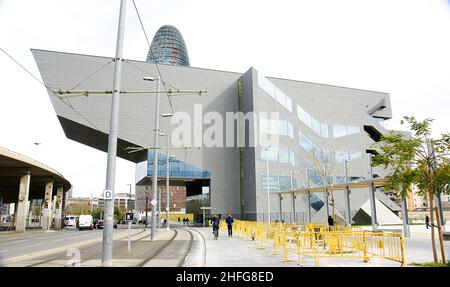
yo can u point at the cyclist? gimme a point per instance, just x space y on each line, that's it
215 223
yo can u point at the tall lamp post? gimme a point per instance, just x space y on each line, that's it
293 197
36 150
267 181
167 174
155 160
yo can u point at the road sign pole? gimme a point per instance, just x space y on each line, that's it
129 235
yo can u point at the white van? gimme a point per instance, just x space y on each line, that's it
70 221
85 222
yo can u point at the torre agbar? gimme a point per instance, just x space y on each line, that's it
315 125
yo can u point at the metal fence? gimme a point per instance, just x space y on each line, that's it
321 241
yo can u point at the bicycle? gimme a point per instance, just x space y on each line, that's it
216 232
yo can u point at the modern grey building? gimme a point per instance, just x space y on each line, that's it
316 125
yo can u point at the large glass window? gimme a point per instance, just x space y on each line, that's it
289 104
283 155
290 130
273 183
352 130
304 116
273 155
281 97
324 130
315 126
276 127
305 142
274 92
339 131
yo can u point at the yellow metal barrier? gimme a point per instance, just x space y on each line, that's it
316 241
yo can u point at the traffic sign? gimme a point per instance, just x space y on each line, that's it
108 194
129 216
153 202
206 207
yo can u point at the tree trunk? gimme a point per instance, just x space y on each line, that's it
441 241
433 243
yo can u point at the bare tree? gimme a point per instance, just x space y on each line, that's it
324 162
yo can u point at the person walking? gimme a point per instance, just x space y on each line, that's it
215 224
330 221
427 221
229 220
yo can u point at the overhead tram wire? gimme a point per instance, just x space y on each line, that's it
52 91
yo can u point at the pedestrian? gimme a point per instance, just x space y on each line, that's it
215 224
229 220
178 220
427 221
330 220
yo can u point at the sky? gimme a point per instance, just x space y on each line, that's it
399 47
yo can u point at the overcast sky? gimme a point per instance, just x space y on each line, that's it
398 47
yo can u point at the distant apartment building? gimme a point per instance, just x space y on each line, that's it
121 200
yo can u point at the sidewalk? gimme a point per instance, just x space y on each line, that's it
233 252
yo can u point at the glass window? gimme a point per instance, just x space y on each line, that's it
289 104
264 126
316 151
324 130
326 156
291 157
266 85
352 130
304 116
315 126
305 142
281 97
273 155
283 127
283 155
290 130
339 131
273 183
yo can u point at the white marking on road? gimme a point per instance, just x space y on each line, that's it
32 245
17 241
61 239
3 250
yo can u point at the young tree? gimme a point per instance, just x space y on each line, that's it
324 162
418 160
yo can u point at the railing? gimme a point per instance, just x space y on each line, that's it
321 241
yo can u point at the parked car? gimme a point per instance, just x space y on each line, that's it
85 222
70 220
99 224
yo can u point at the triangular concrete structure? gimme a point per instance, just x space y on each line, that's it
384 215
321 216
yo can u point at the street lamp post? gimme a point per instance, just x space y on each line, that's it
347 195
293 197
268 189
155 160
373 210
36 150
